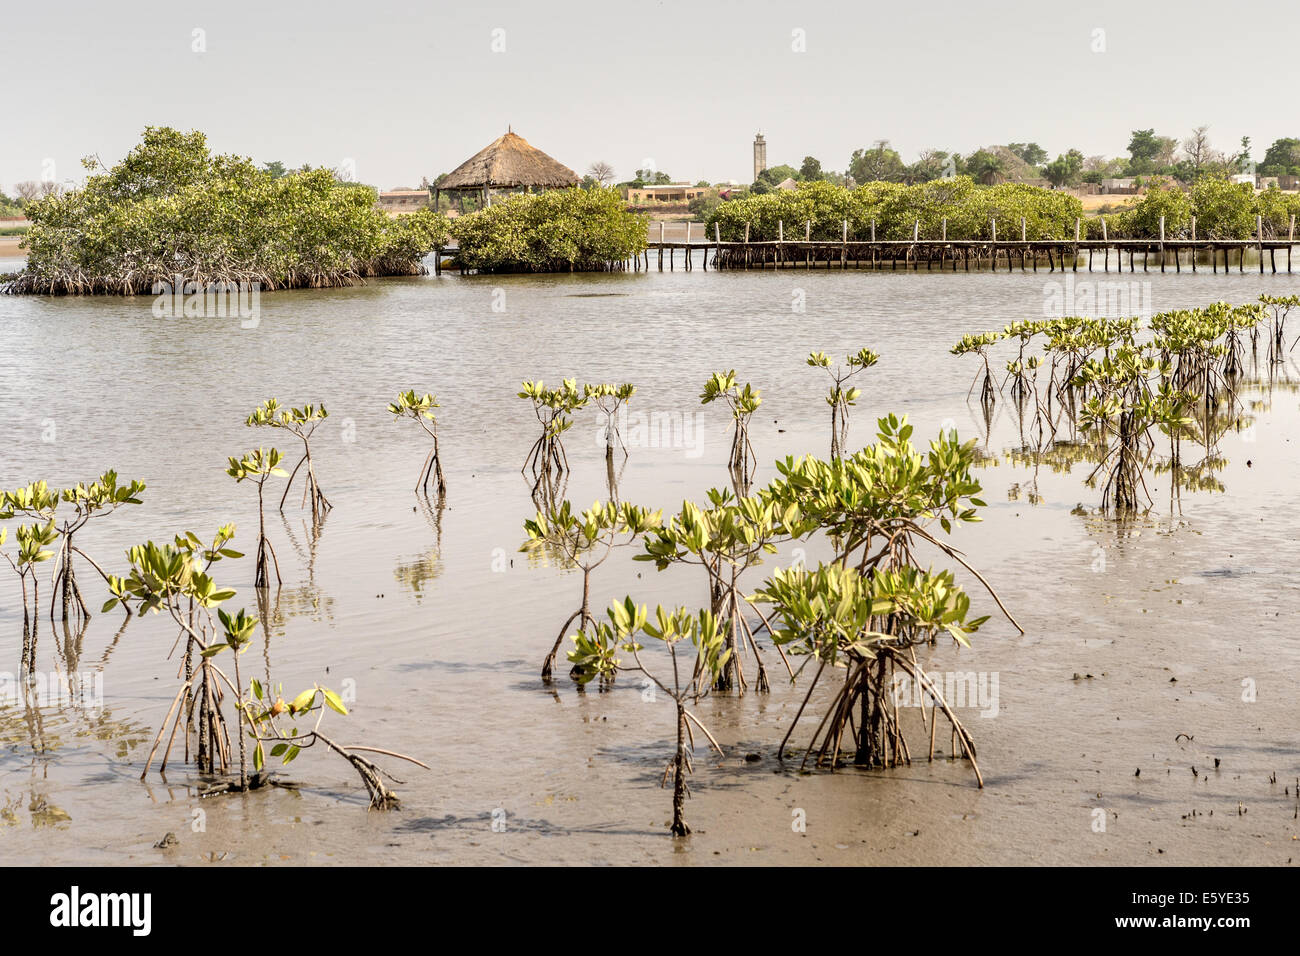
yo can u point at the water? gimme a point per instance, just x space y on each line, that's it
442 648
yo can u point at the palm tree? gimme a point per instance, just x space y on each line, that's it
986 167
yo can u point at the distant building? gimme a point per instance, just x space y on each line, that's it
1288 183
1124 185
1242 179
1267 182
403 200
787 184
760 155
673 192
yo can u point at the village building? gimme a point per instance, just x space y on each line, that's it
670 193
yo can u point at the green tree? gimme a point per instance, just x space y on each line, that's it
1031 153
877 164
811 169
1143 148
1065 170
986 167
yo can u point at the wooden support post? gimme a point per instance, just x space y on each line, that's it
1074 253
1105 245
1162 244
1259 238
844 245
661 245
1193 243
994 249
746 245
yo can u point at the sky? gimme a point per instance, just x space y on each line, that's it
401 90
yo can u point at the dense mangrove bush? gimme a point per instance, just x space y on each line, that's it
171 209
896 210
565 230
1222 210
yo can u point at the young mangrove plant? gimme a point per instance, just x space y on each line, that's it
1131 394
259 466
1279 307
726 539
301 423
743 402
979 344
611 400
585 541
100 498
40 502
173 580
842 397
419 408
867 609
34 542
595 651
554 408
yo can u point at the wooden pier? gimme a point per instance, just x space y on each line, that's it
962 254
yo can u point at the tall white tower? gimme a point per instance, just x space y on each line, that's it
760 155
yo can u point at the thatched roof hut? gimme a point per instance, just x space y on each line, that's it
508 163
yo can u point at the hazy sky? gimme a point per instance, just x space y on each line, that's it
406 89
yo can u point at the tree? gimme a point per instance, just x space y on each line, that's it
1282 157
172 207
27 190
601 171
933 164
1143 148
811 169
878 164
986 167
275 168
1065 170
1031 153
1197 148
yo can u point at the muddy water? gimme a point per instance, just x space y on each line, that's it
437 625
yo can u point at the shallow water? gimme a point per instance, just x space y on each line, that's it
442 647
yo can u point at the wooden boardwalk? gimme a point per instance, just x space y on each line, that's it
962 254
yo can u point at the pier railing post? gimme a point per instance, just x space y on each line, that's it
1259 238
1162 243
844 245
993 257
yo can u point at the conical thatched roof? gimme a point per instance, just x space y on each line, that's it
509 162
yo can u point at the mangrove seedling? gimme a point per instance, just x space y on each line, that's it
259 466
554 408
594 654
611 400
286 743
102 497
419 408
979 345
726 539
842 397
301 423
585 541
871 604
743 402
34 543
172 580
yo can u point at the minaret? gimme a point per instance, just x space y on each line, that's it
760 155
